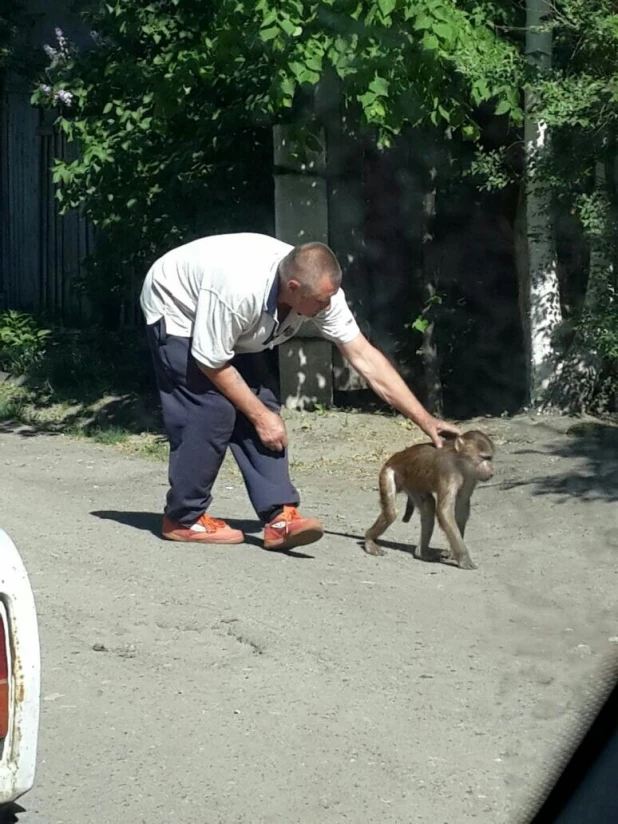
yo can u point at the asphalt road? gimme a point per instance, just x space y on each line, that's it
233 685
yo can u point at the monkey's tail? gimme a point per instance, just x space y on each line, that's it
409 511
388 492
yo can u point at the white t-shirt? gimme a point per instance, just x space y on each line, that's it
221 291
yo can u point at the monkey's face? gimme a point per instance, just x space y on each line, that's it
485 470
478 449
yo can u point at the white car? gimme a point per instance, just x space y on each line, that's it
20 676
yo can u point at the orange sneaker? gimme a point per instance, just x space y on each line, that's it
205 530
290 529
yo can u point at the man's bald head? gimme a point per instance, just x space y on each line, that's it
310 264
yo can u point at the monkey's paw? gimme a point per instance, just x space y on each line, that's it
371 548
467 563
430 556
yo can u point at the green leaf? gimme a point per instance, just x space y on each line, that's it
379 86
269 34
444 30
386 6
288 27
430 42
288 86
420 325
423 21
503 107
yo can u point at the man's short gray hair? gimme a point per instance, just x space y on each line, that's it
309 263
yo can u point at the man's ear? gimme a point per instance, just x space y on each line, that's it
293 285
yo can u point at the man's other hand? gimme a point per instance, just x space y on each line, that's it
271 431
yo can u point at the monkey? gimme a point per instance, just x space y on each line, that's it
436 481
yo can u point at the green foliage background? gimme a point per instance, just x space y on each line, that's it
173 105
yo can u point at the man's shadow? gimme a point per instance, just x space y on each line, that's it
151 522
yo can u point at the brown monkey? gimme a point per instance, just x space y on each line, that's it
450 474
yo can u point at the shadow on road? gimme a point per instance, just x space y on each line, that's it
409 549
151 522
9 814
597 480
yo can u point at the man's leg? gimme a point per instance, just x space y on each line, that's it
266 472
199 422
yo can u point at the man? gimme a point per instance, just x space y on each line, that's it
214 310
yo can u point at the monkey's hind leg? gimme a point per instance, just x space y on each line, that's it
388 513
427 508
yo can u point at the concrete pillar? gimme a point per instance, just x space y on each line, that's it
301 215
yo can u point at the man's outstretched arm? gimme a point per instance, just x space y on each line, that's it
386 382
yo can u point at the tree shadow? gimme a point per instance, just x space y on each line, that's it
151 522
89 412
597 480
91 379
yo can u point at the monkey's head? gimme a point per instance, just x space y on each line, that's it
477 450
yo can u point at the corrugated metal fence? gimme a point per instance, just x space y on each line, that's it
41 251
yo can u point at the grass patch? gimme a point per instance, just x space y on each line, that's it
122 421
9 408
112 436
89 385
156 448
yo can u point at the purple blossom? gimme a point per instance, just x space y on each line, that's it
51 53
62 41
64 97
45 88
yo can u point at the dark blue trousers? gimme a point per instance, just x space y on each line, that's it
201 423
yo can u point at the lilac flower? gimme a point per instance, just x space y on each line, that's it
64 97
51 53
45 88
62 41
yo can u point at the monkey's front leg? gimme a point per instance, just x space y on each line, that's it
446 518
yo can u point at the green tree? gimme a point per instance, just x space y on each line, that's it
571 96
172 105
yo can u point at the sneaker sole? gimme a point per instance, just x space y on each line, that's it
307 536
206 540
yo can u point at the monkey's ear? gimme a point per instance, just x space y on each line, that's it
459 444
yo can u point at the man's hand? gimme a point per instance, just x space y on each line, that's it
434 426
271 431
269 426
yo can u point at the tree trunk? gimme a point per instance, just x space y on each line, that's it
576 381
429 348
540 289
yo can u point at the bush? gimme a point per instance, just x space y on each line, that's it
23 342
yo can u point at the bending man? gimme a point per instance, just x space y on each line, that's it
215 308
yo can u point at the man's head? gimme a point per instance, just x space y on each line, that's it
309 277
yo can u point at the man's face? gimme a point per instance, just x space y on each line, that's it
311 304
